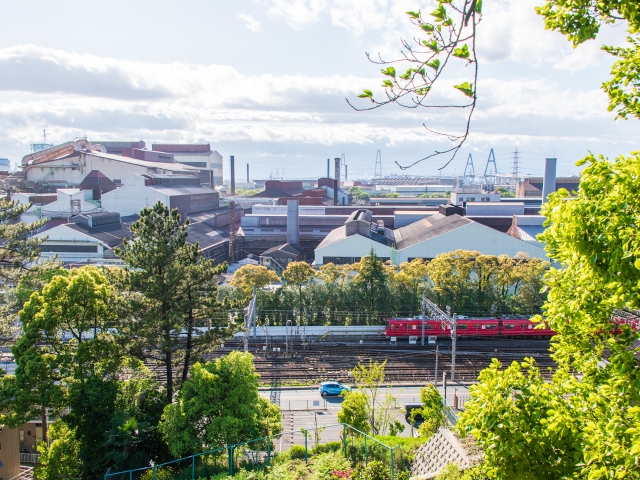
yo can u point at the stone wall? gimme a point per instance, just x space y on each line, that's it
441 450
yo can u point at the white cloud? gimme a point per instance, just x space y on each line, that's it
252 23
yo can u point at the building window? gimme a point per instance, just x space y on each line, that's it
196 164
69 248
340 260
117 181
472 199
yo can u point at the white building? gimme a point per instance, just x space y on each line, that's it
182 192
200 156
68 164
460 198
70 202
425 239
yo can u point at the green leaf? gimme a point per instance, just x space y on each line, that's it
427 27
637 263
440 13
366 94
387 84
414 14
466 88
479 6
461 52
435 64
390 71
433 45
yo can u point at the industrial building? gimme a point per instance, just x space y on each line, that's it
200 156
183 192
443 232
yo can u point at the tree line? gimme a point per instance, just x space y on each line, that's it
85 341
371 290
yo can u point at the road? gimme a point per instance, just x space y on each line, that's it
304 408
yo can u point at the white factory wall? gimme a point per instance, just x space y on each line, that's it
73 170
352 246
459 198
132 197
402 219
61 208
282 210
488 209
472 236
63 235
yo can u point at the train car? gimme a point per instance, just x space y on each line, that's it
469 327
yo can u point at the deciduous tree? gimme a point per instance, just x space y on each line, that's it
249 276
299 274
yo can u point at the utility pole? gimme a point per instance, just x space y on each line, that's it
453 348
435 376
516 166
250 320
422 314
378 169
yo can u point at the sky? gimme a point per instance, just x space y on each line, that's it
267 81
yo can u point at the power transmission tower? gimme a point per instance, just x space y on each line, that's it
516 166
447 321
469 171
378 170
490 173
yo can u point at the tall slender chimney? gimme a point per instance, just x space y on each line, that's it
346 176
549 182
336 181
293 223
328 168
233 176
247 173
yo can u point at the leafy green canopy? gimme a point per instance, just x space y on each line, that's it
219 405
584 424
580 20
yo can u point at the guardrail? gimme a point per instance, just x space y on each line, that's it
29 458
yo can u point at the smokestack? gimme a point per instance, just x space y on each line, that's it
346 177
328 168
247 173
337 171
335 191
233 176
549 182
293 223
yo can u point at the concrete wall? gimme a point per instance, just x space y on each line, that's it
65 236
131 197
9 452
353 246
494 209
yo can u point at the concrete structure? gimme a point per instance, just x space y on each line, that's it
527 227
67 165
293 223
200 156
36 199
549 183
461 199
532 186
427 238
277 258
494 209
69 202
176 191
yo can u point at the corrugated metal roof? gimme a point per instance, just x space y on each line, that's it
427 229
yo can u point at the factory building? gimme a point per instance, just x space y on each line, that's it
533 186
200 156
443 232
66 165
183 192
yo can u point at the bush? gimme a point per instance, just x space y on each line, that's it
328 447
450 472
324 465
297 452
374 471
162 473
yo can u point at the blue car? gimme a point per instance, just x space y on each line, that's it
332 388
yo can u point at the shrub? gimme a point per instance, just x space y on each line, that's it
328 447
162 473
450 472
374 471
297 452
324 465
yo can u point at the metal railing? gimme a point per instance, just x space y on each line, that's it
267 445
29 458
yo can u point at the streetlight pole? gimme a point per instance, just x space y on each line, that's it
453 347
435 376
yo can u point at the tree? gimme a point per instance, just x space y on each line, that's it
249 276
218 405
59 459
369 378
353 411
432 411
171 286
359 194
298 274
372 282
413 276
584 423
81 304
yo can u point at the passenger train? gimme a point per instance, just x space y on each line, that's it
468 327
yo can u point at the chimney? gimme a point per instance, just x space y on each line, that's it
293 223
337 170
233 176
247 173
549 182
328 168
346 177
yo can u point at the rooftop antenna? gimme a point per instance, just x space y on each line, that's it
378 170
469 171
490 173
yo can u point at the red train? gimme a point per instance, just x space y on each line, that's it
467 327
